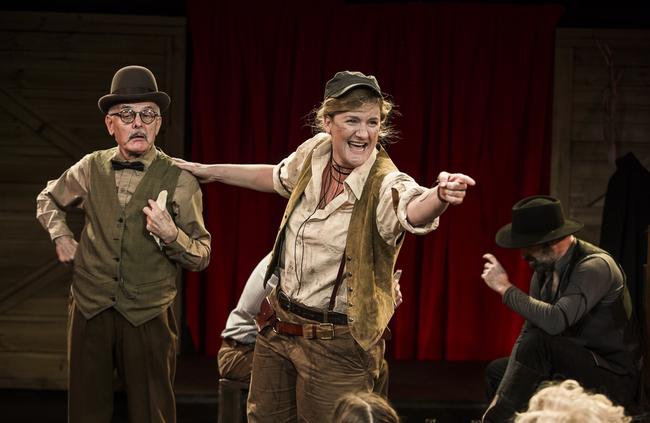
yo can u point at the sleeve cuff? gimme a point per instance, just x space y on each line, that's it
404 199
58 233
278 186
180 245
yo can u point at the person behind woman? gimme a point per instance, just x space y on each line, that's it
567 402
364 407
322 330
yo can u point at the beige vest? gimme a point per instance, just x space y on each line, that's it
118 263
369 260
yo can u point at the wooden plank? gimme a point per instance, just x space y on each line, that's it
101 43
92 23
627 133
47 307
16 297
36 335
25 152
23 197
636 96
562 117
588 215
33 370
61 61
597 150
56 135
58 288
24 251
623 56
598 76
615 38
595 113
13 173
595 170
25 228
42 79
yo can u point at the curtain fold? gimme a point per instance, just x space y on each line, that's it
474 88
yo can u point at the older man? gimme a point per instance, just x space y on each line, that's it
143 221
578 314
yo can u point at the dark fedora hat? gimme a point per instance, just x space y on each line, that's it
344 81
536 220
133 84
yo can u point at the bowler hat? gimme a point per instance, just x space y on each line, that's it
536 220
344 81
133 84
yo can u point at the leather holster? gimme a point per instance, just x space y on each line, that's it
266 316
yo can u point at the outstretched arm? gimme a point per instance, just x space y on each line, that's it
256 177
451 189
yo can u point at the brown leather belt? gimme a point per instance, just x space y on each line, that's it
312 330
323 316
267 318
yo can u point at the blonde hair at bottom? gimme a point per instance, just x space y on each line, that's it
568 402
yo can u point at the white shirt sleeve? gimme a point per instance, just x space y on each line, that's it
396 192
287 172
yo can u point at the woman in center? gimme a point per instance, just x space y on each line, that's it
322 330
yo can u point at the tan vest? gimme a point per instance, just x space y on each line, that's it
118 263
369 260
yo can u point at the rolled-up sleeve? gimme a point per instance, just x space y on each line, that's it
66 192
287 172
397 191
191 249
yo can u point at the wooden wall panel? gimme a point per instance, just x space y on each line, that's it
55 66
582 160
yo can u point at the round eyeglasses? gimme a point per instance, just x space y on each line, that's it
147 116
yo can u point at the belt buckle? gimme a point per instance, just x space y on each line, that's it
323 331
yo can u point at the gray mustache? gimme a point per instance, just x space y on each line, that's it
137 135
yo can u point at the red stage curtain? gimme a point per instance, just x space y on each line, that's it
474 86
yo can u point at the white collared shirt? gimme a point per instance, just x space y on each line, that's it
312 259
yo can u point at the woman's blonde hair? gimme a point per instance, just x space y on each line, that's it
353 100
567 402
364 407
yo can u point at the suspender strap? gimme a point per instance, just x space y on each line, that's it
337 284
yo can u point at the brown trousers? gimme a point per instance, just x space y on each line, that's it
235 360
299 379
145 360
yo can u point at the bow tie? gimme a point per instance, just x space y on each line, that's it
118 165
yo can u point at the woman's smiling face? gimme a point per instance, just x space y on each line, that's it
354 134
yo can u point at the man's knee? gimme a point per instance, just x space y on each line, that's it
493 374
533 344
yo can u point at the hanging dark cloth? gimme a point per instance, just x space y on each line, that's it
626 217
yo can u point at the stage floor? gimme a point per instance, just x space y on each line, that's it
428 392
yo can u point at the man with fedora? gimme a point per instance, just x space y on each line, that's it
143 222
578 313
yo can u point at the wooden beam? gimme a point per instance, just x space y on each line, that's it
56 136
32 284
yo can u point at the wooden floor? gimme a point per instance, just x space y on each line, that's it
428 392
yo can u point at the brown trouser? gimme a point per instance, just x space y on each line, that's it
300 379
235 360
145 359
